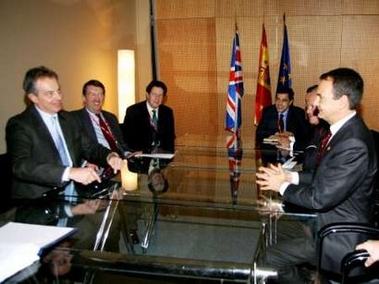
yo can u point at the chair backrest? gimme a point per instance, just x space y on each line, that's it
6 182
376 181
342 238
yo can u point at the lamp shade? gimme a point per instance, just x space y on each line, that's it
126 81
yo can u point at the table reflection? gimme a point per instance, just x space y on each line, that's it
201 209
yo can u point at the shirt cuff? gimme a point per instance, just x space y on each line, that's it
294 178
65 174
283 187
67 210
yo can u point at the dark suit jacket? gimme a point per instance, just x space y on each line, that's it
138 133
84 120
36 165
340 189
296 123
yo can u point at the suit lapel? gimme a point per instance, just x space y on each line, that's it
337 137
39 124
87 123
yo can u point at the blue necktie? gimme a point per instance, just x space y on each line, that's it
59 142
69 190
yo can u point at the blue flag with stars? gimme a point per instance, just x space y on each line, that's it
285 79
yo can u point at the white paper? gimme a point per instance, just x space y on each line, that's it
21 244
156 156
16 256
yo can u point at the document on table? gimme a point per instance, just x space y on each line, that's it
22 244
156 156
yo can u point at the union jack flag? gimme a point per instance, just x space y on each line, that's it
235 93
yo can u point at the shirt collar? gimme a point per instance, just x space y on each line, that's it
150 109
46 117
92 113
284 112
337 126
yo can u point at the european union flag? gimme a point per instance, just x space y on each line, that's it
285 79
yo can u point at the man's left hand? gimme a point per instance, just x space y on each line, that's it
271 178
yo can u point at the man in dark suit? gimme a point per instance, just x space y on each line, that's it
88 118
294 121
46 158
149 125
340 188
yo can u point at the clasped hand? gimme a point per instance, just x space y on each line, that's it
271 177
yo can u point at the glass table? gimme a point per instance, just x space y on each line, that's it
196 218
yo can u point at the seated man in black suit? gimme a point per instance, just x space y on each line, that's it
340 188
46 148
149 125
100 126
284 120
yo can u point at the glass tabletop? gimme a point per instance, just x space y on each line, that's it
197 216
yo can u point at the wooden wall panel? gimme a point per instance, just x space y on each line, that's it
187 62
195 50
360 51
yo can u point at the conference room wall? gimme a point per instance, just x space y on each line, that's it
79 39
195 43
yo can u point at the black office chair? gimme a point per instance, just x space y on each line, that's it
349 264
376 181
6 183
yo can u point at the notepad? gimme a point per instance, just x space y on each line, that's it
22 244
156 155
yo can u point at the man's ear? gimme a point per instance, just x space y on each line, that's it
345 103
33 97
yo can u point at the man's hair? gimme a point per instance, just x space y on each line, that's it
95 83
158 84
311 88
347 82
33 74
162 188
289 91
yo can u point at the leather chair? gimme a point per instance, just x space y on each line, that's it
352 264
6 183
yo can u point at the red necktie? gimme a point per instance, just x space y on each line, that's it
281 123
107 134
324 141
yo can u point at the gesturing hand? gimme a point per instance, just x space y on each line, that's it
271 178
83 175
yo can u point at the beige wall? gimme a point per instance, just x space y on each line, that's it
79 39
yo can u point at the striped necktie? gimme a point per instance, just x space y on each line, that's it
155 118
107 134
323 143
